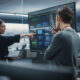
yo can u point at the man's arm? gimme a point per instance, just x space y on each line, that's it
13 39
29 35
54 47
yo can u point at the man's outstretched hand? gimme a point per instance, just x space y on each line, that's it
30 35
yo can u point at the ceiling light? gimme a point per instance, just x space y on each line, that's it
13 14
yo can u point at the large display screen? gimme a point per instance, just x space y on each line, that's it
41 22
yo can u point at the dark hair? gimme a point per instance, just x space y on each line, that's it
66 14
1 21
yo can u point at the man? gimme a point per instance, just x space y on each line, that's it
6 41
65 45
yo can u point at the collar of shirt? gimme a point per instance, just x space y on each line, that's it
67 28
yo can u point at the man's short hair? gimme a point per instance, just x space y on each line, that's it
66 14
1 21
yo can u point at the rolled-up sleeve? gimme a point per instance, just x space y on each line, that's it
12 39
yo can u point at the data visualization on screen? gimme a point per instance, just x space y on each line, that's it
40 37
34 43
40 32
